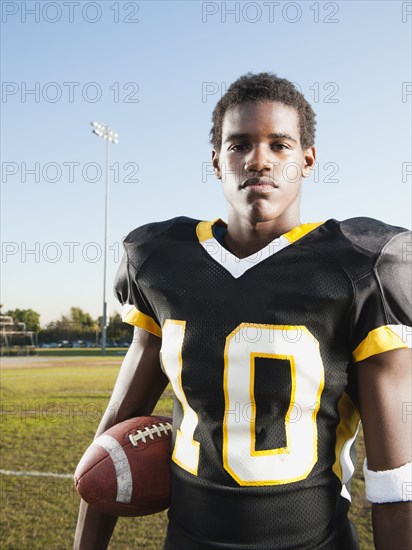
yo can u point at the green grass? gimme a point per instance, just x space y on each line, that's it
78 352
49 417
50 412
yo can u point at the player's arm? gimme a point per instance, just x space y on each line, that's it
384 383
139 385
383 335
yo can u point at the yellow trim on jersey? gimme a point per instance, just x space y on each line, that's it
204 230
141 320
345 430
377 341
300 231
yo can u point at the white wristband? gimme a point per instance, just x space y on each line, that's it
388 485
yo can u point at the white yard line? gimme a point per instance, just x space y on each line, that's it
35 474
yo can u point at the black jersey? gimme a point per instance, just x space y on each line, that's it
259 351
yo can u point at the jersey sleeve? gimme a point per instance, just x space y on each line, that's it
382 318
135 308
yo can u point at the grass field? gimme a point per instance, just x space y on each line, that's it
79 352
50 410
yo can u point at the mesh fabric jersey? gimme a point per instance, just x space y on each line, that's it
260 354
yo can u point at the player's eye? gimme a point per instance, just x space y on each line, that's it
279 146
238 147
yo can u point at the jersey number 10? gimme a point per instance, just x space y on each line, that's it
240 459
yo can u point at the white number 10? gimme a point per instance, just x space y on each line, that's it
241 460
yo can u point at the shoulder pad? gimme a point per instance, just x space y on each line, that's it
369 234
140 243
354 244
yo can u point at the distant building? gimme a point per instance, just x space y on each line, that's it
14 338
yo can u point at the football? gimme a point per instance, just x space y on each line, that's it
126 470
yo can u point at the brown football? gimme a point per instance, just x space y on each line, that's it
126 470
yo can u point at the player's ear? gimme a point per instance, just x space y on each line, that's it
215 164
309 161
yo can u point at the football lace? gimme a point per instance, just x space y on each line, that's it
156 429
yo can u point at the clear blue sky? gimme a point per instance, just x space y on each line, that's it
351 60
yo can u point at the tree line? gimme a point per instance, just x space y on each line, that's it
76 325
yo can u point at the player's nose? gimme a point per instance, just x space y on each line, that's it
257 161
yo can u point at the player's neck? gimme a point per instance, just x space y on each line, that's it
246 238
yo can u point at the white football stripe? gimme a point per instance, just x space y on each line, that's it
121 465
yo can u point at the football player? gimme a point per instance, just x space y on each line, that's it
277 338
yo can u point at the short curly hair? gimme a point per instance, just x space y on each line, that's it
264 87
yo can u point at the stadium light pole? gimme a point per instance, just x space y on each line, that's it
102 130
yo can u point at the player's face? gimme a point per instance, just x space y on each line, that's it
261 163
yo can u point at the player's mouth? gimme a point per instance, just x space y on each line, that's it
264 184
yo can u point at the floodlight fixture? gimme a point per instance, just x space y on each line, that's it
103 130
